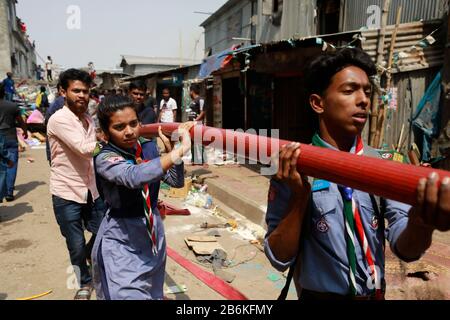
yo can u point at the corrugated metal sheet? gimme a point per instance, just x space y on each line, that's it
292 24
412 10
411 87
408 36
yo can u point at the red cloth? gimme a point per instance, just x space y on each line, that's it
168 210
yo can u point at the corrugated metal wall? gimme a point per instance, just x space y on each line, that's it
234 22
412 10
411 87
409 35
298 19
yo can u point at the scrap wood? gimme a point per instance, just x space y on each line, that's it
215 283
231 223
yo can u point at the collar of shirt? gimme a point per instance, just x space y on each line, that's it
329 146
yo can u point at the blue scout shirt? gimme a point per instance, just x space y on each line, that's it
120 179
324 265
124 266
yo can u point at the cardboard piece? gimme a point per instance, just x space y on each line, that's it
181 192
203 245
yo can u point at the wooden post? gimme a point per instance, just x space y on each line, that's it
379 61
382 117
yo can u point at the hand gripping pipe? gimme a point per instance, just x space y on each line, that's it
387 179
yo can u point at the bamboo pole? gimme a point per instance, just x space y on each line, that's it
389 75
379 61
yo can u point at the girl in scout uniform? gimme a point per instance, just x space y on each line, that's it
129 254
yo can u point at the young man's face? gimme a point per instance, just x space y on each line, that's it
77 97
123 128
138 96
166 95
346 102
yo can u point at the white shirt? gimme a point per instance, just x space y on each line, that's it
167 110
48 65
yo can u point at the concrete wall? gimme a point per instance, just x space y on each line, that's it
13 42
5 47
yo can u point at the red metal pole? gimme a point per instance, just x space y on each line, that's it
388 179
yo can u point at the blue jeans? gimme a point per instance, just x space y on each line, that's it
71 217
9 96
12 146
2 181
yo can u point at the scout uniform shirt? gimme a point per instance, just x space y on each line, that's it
324 265
124 266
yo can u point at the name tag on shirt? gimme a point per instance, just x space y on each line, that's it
319 185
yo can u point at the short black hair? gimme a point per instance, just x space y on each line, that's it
109 106
166 89
74 75
321 69
2 90
43 89
94 93
137 84
195 87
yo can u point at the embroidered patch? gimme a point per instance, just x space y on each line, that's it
113 159
320 185
322 225
387 155
374 223
398 157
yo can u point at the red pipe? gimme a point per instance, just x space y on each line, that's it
388 179
215 283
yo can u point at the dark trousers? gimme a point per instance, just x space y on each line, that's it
72 217
9 96
12 146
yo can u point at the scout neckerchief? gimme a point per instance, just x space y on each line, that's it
150 219
353 221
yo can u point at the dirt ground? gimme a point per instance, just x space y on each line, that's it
34 258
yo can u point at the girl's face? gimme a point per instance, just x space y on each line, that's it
123 128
